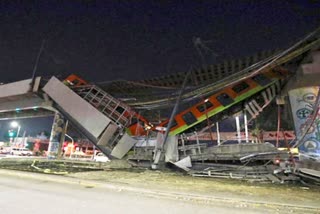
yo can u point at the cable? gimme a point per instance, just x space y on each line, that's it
268 63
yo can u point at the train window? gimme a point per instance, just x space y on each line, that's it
278 72
137 121
224 99
189 118
204 106
75 82
174 124
120 109
261 79
240 87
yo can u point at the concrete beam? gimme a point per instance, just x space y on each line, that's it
21 103
19 87
25 114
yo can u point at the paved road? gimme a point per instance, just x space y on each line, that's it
32 196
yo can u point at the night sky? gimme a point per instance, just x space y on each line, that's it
108 40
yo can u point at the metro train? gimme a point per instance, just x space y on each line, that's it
139 126
74 80
223 100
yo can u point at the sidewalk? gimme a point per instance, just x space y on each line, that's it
309 199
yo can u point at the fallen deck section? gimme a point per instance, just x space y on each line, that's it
234 152
99 116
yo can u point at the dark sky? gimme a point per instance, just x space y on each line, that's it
108 40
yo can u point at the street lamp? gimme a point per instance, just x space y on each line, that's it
15 124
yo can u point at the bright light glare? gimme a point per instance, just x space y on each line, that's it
14 124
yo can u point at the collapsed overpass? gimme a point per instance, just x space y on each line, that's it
102 124
99 116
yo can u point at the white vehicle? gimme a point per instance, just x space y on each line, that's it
100 157
21 151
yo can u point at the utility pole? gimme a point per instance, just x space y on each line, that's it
159 152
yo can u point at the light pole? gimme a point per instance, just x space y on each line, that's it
15 124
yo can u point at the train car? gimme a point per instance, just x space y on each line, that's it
74 80
139 126
223 100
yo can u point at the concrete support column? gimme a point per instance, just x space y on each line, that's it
62 138
307 123
238 129
183 146
246 126
218 134
198 143
56 136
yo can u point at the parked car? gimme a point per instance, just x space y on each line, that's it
4 150
21 151
100 157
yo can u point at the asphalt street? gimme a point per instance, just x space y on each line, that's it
32 196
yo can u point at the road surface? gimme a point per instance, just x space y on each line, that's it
32 196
